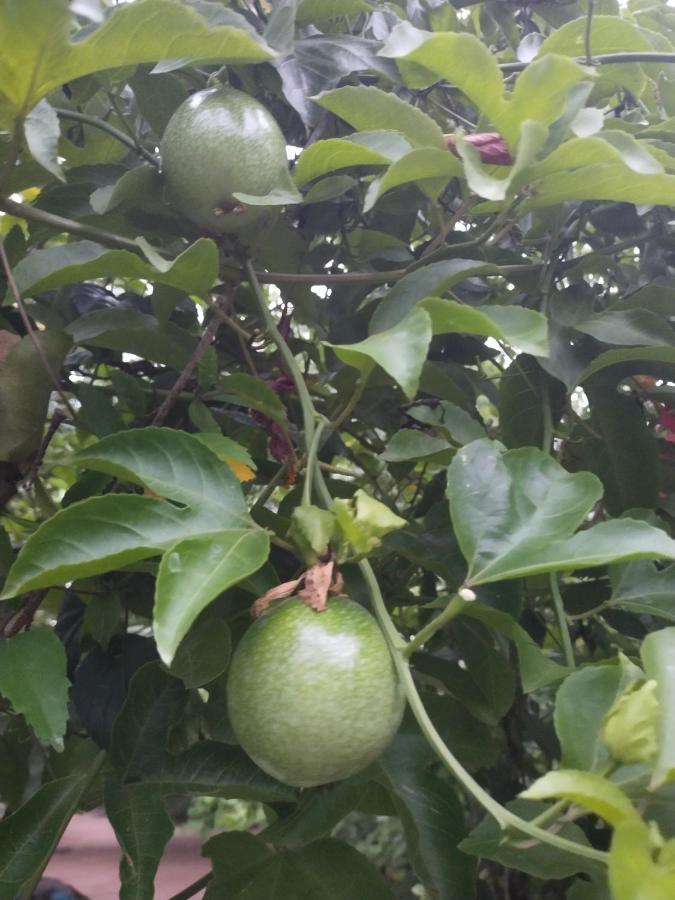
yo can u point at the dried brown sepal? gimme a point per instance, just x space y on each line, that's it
315 585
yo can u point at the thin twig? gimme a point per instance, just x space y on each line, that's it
39 349
57 420
192 889
101 124
60 223
199 351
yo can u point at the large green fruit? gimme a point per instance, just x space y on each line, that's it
218 142
314 697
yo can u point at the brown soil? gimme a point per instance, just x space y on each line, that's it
88 858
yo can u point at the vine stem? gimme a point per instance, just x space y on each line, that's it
193 888
587 33
504 817
451 611
311 464
101 124
562 621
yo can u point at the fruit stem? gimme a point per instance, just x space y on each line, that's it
308 413
504 817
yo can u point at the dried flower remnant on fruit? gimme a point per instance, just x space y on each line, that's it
316 584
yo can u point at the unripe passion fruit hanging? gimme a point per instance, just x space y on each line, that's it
220 142
314 697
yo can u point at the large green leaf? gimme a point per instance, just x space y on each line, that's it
524 328
196 570
194 270
460 59
641 587
367 108
33 679
582 702
592 791
143 829
538 860
210 525
633 872
401 351
25 388
41 56
432 816
334 154
658 657
244 867
515 513
429 168
29 836
428 281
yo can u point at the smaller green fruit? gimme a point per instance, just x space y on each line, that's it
314 697
217 143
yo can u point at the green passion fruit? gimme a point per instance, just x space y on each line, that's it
219 142
314 697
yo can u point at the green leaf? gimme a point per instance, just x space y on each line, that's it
401 351
143 829
142 32
251 392
448 418
332 155
409 443
368 108
29 836
311 530
203 654
658 658
432 817
427 281
539 860
245 867
536 669
641 587
429 168
131 331
364 521
523 390
42 132
606 181
664 355
25 388
592 791
33 679
514 515
460 59
102 533
633 873
324 10
582 702
194 270
523 328
196 570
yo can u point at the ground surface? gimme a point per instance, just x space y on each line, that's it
88 858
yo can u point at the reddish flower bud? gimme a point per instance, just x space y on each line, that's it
490 145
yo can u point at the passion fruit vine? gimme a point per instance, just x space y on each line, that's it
220 142
313 697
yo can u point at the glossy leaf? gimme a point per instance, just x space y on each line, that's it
33 679
332 155
244 866
143 829
428 281
42 133
514 514
658 657
432 816
194 270
203 654
582 702
29 836
139 33
589 790
366 108
193 572
643 588
401 351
